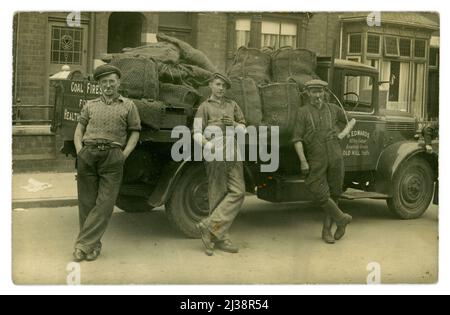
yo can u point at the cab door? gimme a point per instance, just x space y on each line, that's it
358 96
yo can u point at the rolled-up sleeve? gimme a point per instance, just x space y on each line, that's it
299 128
84 115
133 119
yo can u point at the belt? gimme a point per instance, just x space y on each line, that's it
102 145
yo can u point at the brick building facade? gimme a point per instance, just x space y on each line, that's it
44 42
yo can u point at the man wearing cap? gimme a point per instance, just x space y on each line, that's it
226 185
107 132
317 144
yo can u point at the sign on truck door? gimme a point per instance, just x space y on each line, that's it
361 149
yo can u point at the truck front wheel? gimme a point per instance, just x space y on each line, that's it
412 189
189 201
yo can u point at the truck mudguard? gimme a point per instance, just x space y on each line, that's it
392 157
171 174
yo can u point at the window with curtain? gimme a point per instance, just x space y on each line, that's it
276 34
242 32
397 74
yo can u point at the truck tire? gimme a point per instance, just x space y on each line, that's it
133 204
189 201
412 190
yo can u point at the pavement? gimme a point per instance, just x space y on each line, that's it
35 190
280 244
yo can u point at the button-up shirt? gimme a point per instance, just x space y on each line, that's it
318 125
212 111
109 121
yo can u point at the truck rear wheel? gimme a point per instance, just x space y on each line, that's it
188 204
133 204
413 189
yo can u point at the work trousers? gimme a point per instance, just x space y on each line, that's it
98 180
226 192
326 174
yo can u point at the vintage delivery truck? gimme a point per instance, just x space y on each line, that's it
384 158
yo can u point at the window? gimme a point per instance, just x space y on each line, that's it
374 63
391 47
434 57
176 24
276 35
67 45
419 49
373 44
396 90
418 90
358 93
405 47
355 44
242 32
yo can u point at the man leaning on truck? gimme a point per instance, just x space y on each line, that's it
317 144
226 184
107 132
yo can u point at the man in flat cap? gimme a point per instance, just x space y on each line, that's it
317 143
107 132
226 185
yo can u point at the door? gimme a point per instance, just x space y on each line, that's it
67 46
361 149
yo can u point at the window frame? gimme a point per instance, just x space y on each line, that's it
349 53
424 49
379 44
410 47
437 52
280 22
386 54
59 51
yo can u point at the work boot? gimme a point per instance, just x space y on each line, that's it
342 219
340 231
78 255
327 236
93 256
227 246
206 238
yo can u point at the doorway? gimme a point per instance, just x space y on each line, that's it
124 30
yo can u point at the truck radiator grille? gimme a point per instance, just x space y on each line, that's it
398 126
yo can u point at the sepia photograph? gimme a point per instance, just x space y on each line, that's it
220 148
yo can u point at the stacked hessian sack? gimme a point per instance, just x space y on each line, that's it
160 75
267 84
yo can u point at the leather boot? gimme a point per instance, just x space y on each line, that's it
342 219
327 236
207 239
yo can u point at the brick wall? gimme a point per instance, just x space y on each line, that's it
31 58
213 41
323 28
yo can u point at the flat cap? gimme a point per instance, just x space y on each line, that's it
103 70
316 84
223 77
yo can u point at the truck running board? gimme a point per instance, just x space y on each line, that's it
353 194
